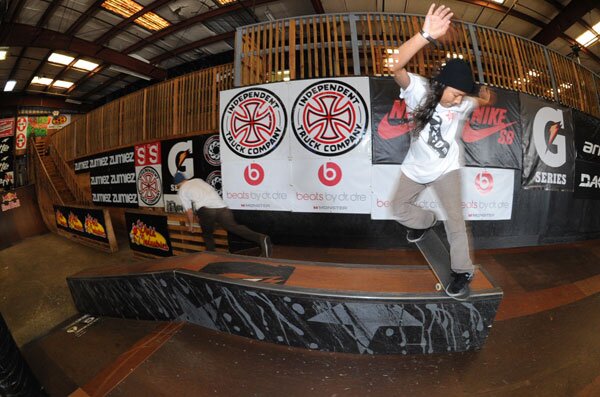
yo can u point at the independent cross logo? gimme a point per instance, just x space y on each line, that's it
253 123
330 118
149 186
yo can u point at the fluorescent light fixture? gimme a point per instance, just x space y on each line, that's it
74 101
3 53
10 85
589 37
129 72
41 80
498 1
62 84
225 2
127 8
139 58
85 65
62 59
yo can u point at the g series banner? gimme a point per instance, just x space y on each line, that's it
148 233
7 139
487 193
112 178
85 222
548 145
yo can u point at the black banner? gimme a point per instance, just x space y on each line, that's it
115 158
197 157
148 233
587 180
7 175
587 137
85 222
113 179
389 121
548 144
492 135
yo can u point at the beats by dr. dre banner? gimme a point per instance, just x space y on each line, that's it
548 147
148 172
487 193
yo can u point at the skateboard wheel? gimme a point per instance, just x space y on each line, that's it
438 287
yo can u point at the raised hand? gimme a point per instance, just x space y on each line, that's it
437 21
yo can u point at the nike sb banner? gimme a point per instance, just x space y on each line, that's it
548 145
390 122
587 137
492 135
587 180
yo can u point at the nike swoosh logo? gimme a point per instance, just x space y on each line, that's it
390 130
470 135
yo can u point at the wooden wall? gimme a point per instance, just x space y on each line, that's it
22 222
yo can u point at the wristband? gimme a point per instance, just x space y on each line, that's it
430 39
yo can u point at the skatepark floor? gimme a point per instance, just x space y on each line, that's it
545 340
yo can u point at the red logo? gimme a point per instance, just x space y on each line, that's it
147 154
21 124
492 117
395 123
484 182
330 174
149 186
254 174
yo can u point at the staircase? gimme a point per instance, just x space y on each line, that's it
57 180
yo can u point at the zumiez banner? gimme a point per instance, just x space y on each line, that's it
487 193
548 148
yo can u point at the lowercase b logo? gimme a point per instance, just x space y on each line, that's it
254 174
330 174
484 182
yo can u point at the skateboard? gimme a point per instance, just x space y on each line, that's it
437 256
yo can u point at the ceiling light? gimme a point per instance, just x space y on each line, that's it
55 57
3 53
41 80
74 101
498 1
10 85
225 2
129 72
127 8
589 37
85 65
62 84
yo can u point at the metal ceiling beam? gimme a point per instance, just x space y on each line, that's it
29 36
48 13
194 45
102 86
318 6
44 100
500 8
85 78
194 20
565 19
83 18
37 70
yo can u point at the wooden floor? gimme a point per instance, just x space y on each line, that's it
544 343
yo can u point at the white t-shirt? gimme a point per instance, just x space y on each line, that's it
436 151
200 194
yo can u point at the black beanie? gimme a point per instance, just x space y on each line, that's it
457 74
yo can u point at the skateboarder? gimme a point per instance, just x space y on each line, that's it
438 107
211 209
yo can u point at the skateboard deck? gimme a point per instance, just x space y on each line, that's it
437 256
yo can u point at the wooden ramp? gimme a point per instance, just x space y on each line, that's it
372 309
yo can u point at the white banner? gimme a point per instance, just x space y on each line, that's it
332 185
257 185
487 193
21 133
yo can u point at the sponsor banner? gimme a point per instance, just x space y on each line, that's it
21 135
548 145
587 180
587 137
332 185
254 122
390 121
330 118
58 122
257 185
38 125
487 193
7 175
10 201
148 233
196 157
85 222
7 127
148 170
117 158
492 135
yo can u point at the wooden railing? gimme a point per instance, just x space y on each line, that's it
69 177
45 190
360 45
181 106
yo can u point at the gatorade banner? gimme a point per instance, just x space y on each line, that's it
548 145
390 121
492 135
148 233
85 222
7 141
148 172
487 193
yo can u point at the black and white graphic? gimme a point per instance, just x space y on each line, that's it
587 137
112 178
115 159
587 180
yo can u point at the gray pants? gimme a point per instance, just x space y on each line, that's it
448 189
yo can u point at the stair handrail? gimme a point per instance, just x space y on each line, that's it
42 177
68 175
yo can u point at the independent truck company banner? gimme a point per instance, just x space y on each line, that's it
548 145
487 193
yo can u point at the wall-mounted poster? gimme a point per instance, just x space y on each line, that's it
7 140
148 172
21 135
112 178
148 233
85 222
